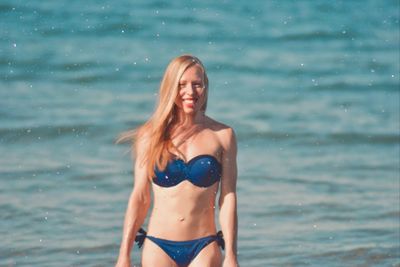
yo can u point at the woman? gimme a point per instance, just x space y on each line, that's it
184 156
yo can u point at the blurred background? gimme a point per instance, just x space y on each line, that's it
310 87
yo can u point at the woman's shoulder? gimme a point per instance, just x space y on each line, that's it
224 132
216 125
142 140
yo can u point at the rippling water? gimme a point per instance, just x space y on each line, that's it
311 88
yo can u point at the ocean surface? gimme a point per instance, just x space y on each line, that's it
310 87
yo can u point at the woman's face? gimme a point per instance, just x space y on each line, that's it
191 91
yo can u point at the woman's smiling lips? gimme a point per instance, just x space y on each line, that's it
189 101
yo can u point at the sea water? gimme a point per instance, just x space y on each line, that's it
310 87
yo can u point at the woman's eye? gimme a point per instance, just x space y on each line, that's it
195 85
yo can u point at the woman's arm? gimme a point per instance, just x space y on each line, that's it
227 199
138 205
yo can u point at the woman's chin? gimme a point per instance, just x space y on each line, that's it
189 111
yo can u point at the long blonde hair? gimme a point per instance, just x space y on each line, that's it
156 131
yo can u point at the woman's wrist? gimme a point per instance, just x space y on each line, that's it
124 252
230 255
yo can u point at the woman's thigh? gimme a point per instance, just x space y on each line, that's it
154 256
209 256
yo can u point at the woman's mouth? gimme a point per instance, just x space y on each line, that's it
189 101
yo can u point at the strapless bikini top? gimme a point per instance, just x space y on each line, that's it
202 171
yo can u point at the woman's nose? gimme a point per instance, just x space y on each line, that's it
190 89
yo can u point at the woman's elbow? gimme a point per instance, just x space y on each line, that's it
227 199
140 198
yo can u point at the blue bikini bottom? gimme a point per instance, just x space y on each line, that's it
182 252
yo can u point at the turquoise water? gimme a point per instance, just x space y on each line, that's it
311 88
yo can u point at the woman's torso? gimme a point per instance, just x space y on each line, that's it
186 211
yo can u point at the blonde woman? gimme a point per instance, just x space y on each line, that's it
184 157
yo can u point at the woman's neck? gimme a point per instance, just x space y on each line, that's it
189 120
185 127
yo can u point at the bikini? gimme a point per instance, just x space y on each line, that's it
202 171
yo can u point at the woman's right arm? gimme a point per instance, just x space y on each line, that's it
138 205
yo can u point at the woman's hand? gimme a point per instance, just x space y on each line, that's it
123 262
230 262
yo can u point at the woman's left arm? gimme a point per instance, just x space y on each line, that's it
227 200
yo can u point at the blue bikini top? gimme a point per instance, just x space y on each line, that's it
202 171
